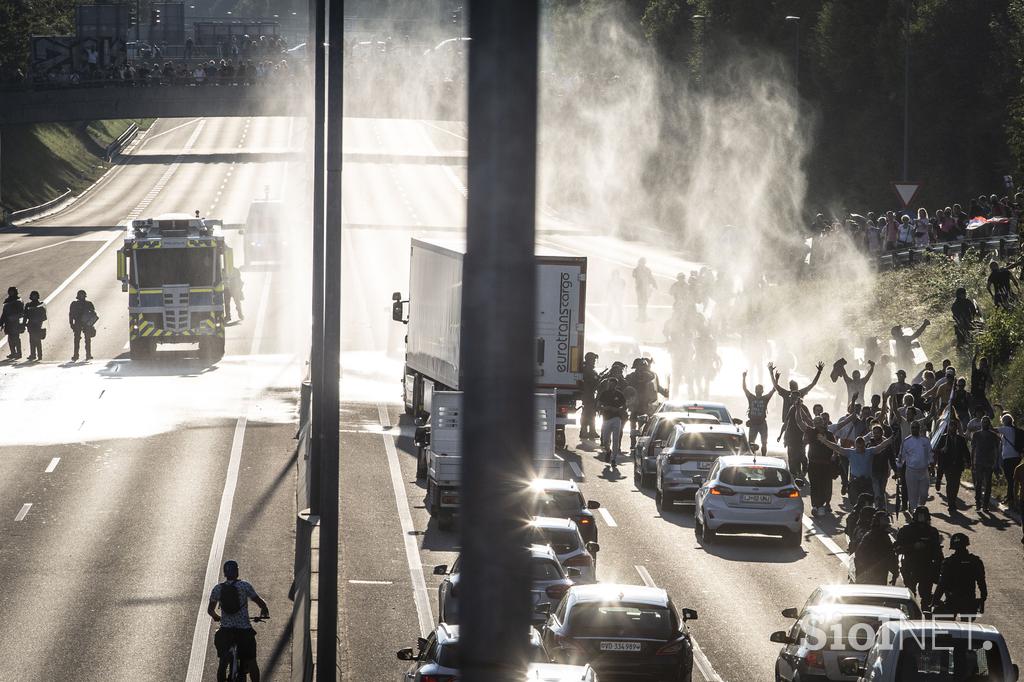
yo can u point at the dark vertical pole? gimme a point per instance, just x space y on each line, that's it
906 97
327 611
498 319
316 356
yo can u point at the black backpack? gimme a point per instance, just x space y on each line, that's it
230 600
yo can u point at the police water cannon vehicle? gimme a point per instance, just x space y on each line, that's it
174 268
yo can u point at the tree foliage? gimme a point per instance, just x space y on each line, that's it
20 19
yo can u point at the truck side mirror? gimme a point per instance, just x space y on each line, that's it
398 312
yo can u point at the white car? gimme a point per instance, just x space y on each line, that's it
563 537
888 596
926 651
749 494
696 406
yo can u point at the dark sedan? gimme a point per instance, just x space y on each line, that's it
623 631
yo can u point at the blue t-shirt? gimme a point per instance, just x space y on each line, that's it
860 462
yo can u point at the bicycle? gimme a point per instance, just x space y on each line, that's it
236 667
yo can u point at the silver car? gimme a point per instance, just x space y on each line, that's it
691 452
749 494
549 582
719 410
655 436
563 536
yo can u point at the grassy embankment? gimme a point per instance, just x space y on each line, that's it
40 162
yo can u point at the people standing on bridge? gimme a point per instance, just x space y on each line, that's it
962 589
83 318
644 283
921 548
757 412
986 448
915 457
11 319
233 289
588 396
35 316
953 455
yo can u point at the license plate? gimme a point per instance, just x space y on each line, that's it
620 646
758 499
704 465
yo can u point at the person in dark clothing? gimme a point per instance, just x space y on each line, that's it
966 316
1000 284
613 372
757 412
588 396
962 587
820 464
981 381
903 343
11 320
82 317
863 525
986 447
642 391
954 455
850 528
883 464
921 548
643 282
791 403
612 404
875 556
35 316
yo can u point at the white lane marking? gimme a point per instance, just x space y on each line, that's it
201 633
645 576
24 511
443 130
370 582
607 516
167 132
700 659
824 538
576 471
40 248
412 551
170 171
53 465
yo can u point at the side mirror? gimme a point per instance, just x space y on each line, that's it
851 665
698 480
573 572
543 607
593 547
791 612
780 637
800 483
406 654
689 614
397 296
737 422
593 504
397 311
658 444
441 570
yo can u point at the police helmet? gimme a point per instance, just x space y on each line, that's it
959 541
590 356
922 514
618 365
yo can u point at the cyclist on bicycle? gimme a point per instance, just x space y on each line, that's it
233 597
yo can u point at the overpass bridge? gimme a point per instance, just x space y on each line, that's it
94 103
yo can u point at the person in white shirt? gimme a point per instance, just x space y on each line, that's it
916 456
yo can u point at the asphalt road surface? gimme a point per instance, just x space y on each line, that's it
113 477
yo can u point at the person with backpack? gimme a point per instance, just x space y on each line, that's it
232 596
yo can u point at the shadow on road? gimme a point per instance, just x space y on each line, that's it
169 363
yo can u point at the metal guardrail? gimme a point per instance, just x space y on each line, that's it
1004 245
41 208
115 147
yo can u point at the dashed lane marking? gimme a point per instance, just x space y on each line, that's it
412 551
607 516
24 511
370 582
166 177
53 465
700 659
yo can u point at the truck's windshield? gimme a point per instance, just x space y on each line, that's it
157 267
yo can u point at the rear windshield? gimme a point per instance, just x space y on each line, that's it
557 503
909 608
724 443
851 632
542 570
601 620
755 477
560 540
946 658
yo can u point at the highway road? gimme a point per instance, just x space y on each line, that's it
113 476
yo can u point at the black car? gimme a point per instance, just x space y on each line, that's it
563 500
436 657
623 631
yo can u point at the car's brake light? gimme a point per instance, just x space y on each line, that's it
556 591
721 490
580 560
814 660
563 409
670 649
438 678
584 520
790 493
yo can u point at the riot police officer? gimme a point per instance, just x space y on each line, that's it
642 389
962 588
588 396
875 557
921 548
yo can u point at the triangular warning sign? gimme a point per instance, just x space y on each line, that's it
906 191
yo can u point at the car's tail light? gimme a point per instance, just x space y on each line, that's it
788 493
580 560
556 591
670 649
449 498
584 520
563 409
438 678
814 660
721 490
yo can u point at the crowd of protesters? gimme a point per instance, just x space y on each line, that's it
888 231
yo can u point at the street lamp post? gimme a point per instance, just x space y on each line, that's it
702 20
906 96
796 55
